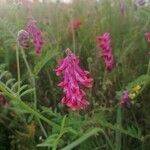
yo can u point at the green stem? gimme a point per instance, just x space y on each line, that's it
34 86
51 87
148 70
18 67
42 128
118 133
73 35
104 78
74 42
31 75
108 140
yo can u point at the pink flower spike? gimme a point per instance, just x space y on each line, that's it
74 78
74 25
104 44
147 36
36 36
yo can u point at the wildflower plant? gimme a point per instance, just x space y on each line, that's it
74 77
104 44
36 35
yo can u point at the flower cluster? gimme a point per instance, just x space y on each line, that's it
125 99
104 43
23 38
36 35
74 25
141 2
134 91
128 96
74 78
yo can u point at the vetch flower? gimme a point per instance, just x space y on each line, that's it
74 25
36 36
125 98
74 78
141 2
147 36
104 43
23 38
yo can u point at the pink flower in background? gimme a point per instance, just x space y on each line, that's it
3 101
147 36
141 2
104 43
125 98
74 25
74 78
36 35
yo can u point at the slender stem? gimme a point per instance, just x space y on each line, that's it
42 128
104 78
17 53
118 133
73 35
51 86
31 75
34 92
18 66
108 140
74 42
103 84
148 70
34 86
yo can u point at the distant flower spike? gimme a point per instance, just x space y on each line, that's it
74 25
74 78
23 38
36 35
104 43
147 36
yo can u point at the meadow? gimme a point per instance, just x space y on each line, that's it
75 76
